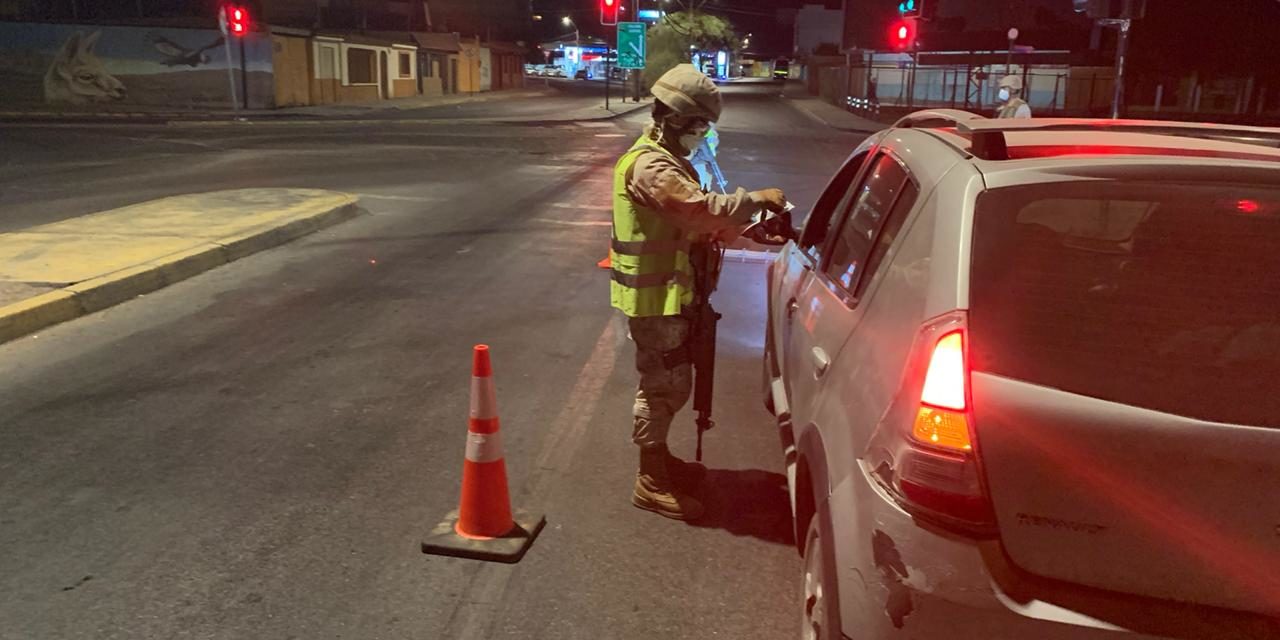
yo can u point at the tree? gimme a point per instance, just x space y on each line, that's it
673 37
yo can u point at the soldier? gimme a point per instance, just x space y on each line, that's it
659 212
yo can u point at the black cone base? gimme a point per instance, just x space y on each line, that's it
445 541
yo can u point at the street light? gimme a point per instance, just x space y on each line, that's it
567 21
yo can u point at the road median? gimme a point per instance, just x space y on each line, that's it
56 272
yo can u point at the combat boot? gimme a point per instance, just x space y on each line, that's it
656 492
686 475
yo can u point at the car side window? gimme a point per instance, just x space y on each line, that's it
823 217
852 248
888 235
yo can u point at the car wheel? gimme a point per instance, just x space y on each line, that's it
815 614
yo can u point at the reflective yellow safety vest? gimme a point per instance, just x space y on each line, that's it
650 257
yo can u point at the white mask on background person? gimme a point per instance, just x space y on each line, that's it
1004 95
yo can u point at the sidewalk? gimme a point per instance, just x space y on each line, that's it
56 272
345 112
825 113
401 104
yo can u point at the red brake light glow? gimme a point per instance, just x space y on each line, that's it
944 384
1248 206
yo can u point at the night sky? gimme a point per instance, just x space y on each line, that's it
1212 37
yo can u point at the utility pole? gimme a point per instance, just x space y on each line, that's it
635 15
1104 14
1122 50
1008 60
226 46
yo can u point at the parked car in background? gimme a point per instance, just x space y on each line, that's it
1026 376
581 74
781 69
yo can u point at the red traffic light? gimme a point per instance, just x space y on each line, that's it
609 12
237 19
903 35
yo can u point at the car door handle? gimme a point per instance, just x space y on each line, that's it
820 361
792 306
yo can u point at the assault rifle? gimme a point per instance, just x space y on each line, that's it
706 258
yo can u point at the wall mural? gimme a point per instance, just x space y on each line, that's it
97 68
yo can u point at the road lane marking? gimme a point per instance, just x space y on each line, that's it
379 196
478 604
611 135
574 205
577 223
748 255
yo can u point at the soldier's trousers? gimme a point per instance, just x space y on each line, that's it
663 391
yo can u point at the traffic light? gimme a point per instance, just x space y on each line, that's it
609 11
918 9
903 35
238 19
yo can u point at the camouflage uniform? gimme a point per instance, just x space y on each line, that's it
663 391
673 190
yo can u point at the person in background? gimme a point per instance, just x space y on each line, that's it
1012 104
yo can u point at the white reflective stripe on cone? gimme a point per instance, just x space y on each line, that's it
484 447
484 400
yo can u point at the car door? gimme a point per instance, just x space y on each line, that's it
797 261
827 304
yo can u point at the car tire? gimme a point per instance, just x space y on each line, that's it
817 621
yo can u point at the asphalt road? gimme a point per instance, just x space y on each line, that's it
257 452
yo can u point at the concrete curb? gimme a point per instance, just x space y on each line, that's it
82 298
309 120
809 113
289 115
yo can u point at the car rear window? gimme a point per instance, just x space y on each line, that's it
1162 296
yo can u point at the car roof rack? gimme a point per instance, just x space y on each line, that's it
935 118
987 136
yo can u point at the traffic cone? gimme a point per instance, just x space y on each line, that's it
607 263
484 526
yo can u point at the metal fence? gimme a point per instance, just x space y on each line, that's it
896 82
1048 89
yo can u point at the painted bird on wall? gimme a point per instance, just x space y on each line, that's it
177 55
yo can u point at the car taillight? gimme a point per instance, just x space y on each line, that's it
933 464
942 419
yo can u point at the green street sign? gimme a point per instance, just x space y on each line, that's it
631 45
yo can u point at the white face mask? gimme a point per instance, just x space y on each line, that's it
691 141
1004 95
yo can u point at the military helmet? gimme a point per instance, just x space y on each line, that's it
689 93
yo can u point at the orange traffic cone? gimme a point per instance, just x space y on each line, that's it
484 527
607 263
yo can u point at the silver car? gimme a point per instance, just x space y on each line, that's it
1027 376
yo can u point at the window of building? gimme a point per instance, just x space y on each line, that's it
406 66
361 66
